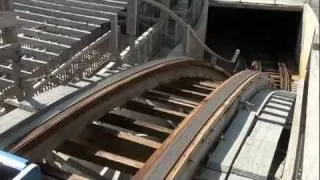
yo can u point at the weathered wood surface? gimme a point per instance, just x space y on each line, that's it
289 166
257 154
255 157
7 19
311 143
224 155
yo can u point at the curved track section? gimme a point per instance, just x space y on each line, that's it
124 121
255 144
279 73
145 123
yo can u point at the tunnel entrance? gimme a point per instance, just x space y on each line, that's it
264 35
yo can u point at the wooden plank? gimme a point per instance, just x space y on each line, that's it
165 105
7 19
169 101
155 111
272 119
57 21
13 117
136 125
69 9
295 134
191 85
203 87
276 112
44 99
194 96
226 151
37 33
60 174
172 96
109 7
255 159
122 135
8 51
121 159
266 132
280 101
39 43
89 152
209 84
9 70
194 92
70 162
145 118
60 14
64 30
278 106
42 55
256 156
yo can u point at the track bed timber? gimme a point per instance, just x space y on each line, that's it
125 122
143 123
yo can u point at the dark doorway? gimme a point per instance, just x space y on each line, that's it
265 35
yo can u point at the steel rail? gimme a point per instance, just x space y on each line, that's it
29 124
211 124
279 73
159 165
207 144
71 120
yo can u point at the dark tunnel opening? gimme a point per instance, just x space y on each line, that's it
265 35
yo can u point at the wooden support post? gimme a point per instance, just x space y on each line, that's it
132 16
132 13
187 42
163 16
10 37
114 43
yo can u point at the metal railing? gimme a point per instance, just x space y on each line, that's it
83 64
105 49
145 47
191 33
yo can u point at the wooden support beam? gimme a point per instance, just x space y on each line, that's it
7 19
110 129
155 111
90 152
136 125
48 36
132 14
9 35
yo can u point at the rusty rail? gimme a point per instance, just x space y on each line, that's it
183 92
